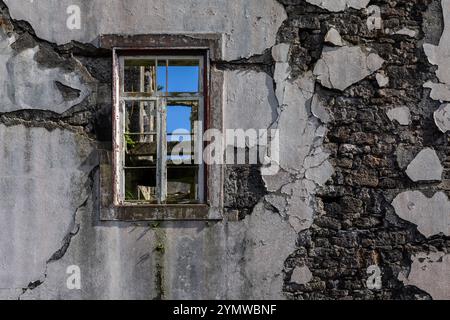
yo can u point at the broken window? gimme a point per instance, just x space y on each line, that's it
159 129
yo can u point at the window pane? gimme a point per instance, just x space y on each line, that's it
140 117
182 184
140 150
181 116
183 75
140 185
180 121
139 76
162 77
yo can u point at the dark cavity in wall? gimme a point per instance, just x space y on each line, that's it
243 188
258 63
433 23
67 92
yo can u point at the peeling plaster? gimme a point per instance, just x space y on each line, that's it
442 118
333 37
280 52
302 135
431 215
431 273
382 79
318 168
249 26
426 166
109 269
400 114
301 275
39 85
339 5
440 55
296 130
339 68
319 110
439 91
300 204
269 240
407 32
250 101
275 182
278 201
404 155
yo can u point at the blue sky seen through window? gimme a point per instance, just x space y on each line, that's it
181 79
178 120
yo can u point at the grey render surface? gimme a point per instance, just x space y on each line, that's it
345 191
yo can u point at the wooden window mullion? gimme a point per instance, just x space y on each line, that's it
161 170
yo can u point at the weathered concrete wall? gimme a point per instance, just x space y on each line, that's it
249 26
364 150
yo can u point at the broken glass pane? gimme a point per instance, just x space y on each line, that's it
139 76
182 184
140 150
140 117
140 185
180 122
181 115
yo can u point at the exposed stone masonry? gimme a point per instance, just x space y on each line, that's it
357 226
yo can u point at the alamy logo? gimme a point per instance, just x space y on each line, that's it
374 21
74 280
233 146
374 280
74 20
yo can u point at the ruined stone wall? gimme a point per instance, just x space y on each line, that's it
377 127
364 155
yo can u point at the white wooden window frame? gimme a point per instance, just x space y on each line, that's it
211 46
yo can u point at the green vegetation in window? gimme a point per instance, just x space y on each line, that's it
129 142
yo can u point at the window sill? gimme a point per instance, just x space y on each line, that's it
163 212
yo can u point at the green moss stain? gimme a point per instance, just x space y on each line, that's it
159 251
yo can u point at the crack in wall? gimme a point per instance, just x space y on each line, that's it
73 231
79 116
